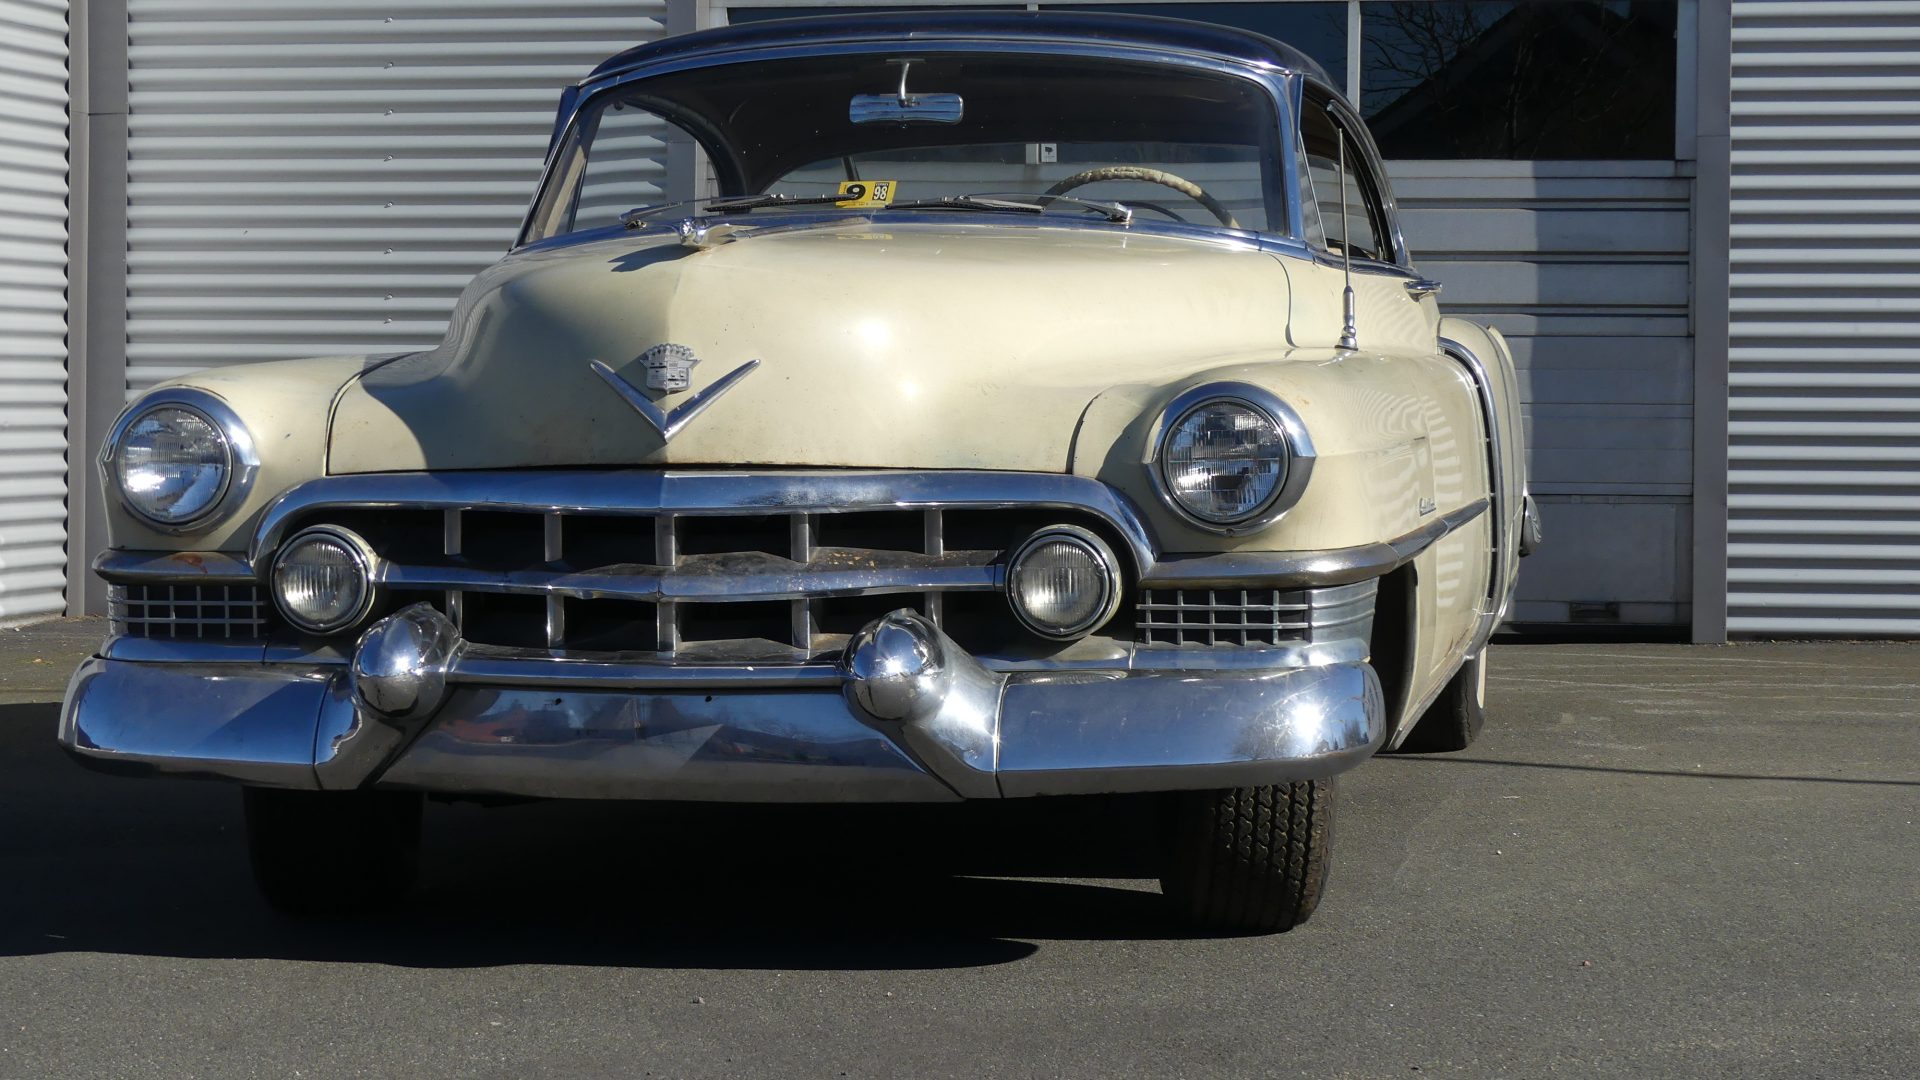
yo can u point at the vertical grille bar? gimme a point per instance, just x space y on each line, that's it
801 534
666 552
556 604
450 545
934 542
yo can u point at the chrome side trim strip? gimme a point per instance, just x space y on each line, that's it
139 567
1333 566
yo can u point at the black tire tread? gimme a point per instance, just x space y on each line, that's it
1250 859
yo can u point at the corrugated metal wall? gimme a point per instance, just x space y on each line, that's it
1584 266
33 307
1824 428
313 178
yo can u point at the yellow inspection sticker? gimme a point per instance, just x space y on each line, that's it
864 194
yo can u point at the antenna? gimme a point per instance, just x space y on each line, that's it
1349 335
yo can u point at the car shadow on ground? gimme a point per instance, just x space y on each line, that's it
105 864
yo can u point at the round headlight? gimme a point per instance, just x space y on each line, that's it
1224 461
172 464
1063 582
323 580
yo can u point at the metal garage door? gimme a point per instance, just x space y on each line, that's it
1583 265
323 178
33 307
1824 478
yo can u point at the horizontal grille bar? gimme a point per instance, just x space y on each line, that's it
734 577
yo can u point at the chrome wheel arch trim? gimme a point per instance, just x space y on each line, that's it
1499 590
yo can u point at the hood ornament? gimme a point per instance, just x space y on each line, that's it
670 371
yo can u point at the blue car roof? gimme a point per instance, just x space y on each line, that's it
1143 31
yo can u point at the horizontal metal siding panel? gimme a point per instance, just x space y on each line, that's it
1584 266
319 179
1824 380
33 307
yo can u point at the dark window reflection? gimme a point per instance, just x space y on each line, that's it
1317 29
736 16
1526 79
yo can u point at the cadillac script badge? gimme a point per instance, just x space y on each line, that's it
669 367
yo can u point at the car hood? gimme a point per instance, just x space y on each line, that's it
921 345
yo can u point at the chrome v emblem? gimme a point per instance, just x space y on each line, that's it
668 422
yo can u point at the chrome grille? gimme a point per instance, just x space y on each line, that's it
204 612
762 581
1254 617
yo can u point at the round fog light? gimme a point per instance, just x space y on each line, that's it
323 580
1063 582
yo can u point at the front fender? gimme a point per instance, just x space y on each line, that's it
286 406
1395 438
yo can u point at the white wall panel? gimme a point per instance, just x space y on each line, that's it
1584 266
33 307
1824 402
309 178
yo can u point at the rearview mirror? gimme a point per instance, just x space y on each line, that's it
905 109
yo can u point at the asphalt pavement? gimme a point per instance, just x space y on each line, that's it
1659 861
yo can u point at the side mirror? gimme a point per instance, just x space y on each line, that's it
905 109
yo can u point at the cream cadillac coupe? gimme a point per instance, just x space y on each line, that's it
875 408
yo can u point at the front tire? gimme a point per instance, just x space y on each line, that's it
333 853
1455 718
1249 860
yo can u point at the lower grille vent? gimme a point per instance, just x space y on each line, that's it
200 612
1203 618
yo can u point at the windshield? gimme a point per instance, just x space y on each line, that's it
1172 143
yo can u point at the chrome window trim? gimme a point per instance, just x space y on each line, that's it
1300 453
243 457
1278 82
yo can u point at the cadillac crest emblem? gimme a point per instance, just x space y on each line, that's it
669 367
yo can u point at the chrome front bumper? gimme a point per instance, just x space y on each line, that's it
905 715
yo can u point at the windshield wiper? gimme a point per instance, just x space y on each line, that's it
728 204
1115 212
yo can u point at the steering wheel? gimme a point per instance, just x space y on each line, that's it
1152 176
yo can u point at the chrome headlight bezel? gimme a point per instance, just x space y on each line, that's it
364 560
1298 465
1111 583
240 465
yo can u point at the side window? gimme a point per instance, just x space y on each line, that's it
1365 227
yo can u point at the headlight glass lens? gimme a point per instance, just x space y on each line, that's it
1224 461
320 582
1061 584
172 464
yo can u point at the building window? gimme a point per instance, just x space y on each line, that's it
1531 79
1317 29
